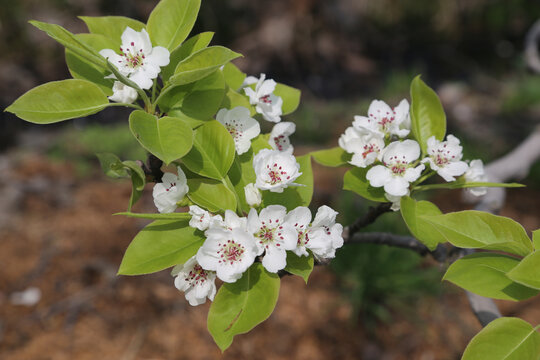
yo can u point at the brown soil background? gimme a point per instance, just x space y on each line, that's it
58 234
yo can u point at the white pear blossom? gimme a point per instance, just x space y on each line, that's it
227 252
348 138
366 149
398 170
266 103
196 283
325 235
232 221
395 200
476 173
384 120
272 235
279 137
249 80
444 157
241 126
171 190
123 93
202 219
275 170
253 195
300 218
138 60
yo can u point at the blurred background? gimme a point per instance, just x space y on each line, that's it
60 247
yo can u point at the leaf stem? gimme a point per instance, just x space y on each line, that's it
149 107
134 106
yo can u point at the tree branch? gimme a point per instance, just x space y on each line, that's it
369 218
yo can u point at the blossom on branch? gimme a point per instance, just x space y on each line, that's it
266 103
196 283
275 170
476 173
253 195
279 137
170 191
202 219
138 60
444 157
123 93
325 235
241 126
385 121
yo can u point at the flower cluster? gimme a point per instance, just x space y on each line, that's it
379 141
233 244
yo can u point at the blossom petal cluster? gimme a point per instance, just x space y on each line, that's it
279 136
138 60
445 157
476 173
196 283
266 102
170 191
275 170
241 126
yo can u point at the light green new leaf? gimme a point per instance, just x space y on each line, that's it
478 229
485 274
528 271
199 100
294 196
241 174
190 46
157 216
161 244
201 64
412 212
168 138
112 166
213 151
290 96
427 114
536 239
111 27
211 194
300 265
505 339
171 21
81 68
240 306
59 100
355 180
138 181
333 157
69 40
233 99
260 142
234 77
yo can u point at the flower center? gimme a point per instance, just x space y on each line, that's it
233 129
171 185
197 276
267 235
133 58
441 156
385 122
265 99
303 237
368 149
398 166
230 252
275 173
279 141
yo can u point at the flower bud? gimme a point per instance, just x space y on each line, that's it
253 195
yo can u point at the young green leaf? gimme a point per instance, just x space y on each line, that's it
528 271
333 157
138 181
211 195
355 180
294 196
240 306
171 21
300 265
260 142
427 114
213 151
536 239
161 244
485 274
59 100
201 64
168 138
290 96
234 77
111 27
112 166
241 174
477 229
412 212
192 45
504 339
233 99
461 184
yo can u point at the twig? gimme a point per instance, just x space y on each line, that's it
369 218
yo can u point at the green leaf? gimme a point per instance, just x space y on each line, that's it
528 271
211 194
234 77
199 100
201 64
300 265
505 339
192 45
233 99
427 114
111 27
485 274
81 68
461 184
161 244
290 96
294 196
481 230
240 306
241 174
536 239
157 216
112 166
171 21
213 151
333 157
138 181
168 138
59 100
260 142
69 40
412 212
355 180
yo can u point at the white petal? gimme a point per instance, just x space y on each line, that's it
274 259
159 56
397 186
378 175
